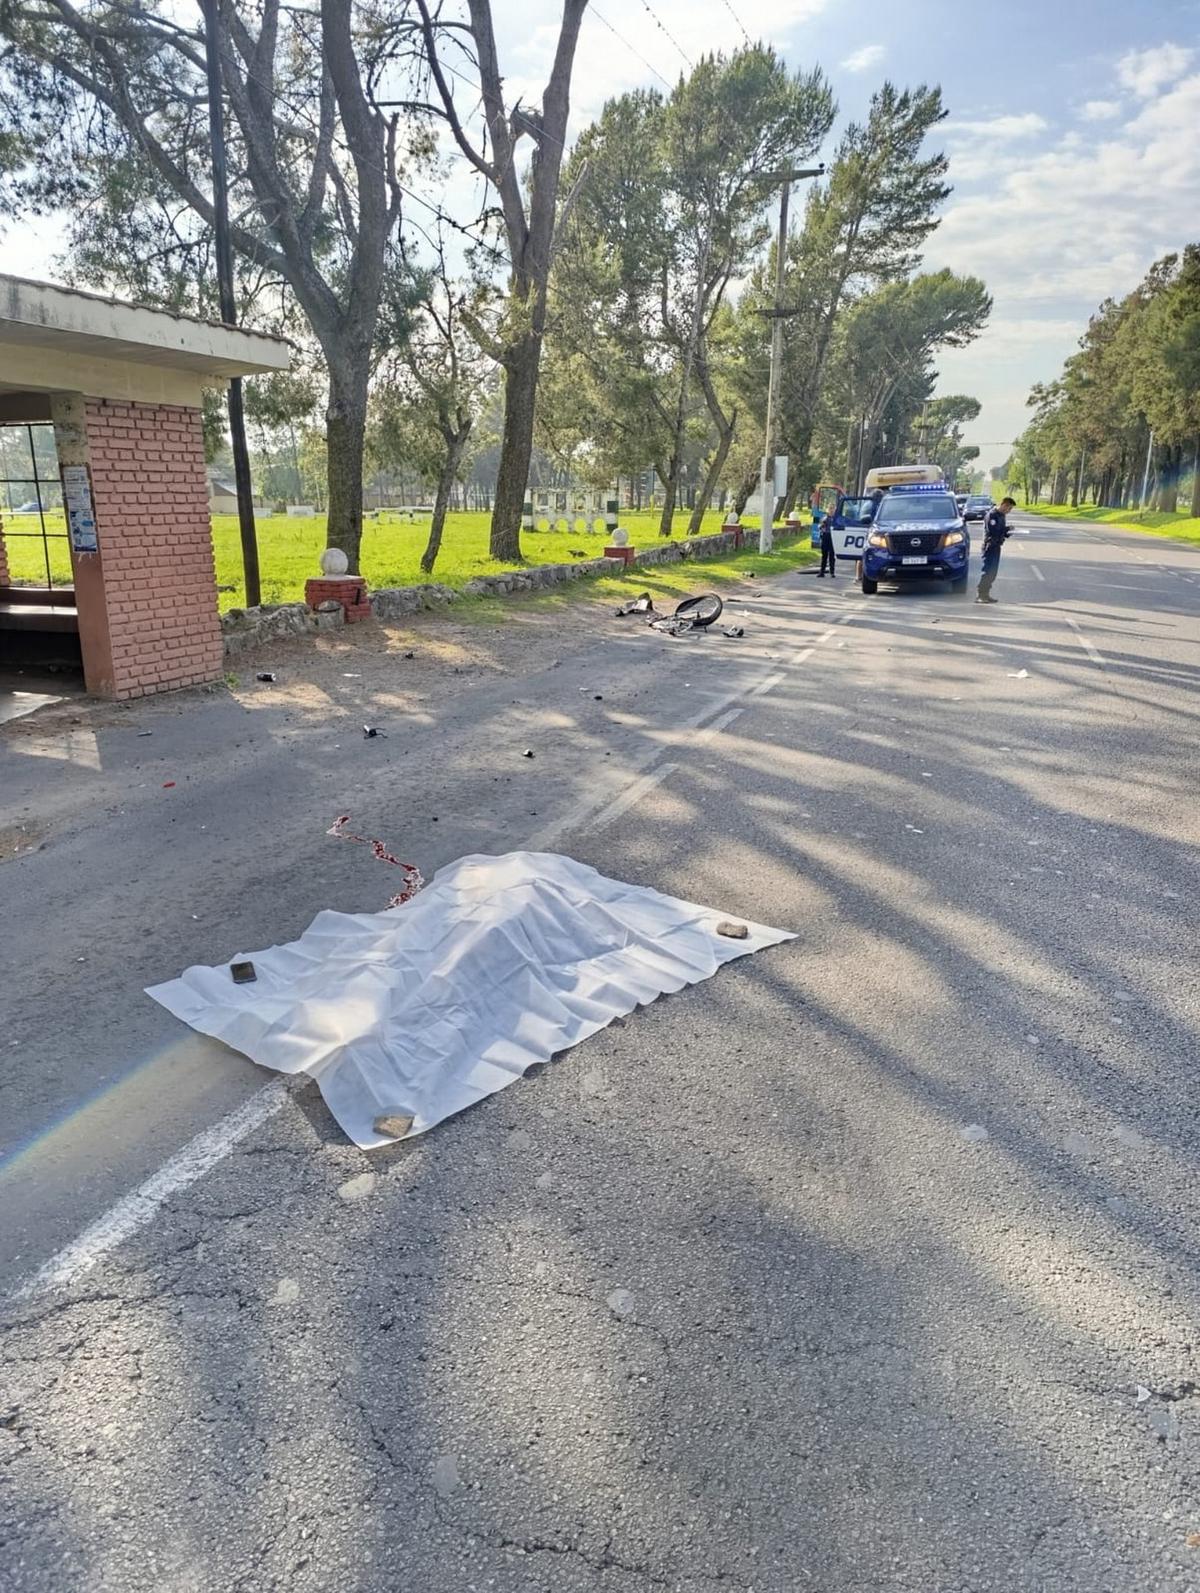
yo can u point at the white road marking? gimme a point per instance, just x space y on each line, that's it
212 1145
138 1207
1084 643
1037 572
769 684
634 793
718 725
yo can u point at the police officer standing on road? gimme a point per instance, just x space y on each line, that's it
827 554
995 535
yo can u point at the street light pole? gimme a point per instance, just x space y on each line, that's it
224 252
766 537
1146 472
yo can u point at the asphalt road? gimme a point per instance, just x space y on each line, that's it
870 1264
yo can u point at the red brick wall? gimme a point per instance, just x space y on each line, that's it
160 590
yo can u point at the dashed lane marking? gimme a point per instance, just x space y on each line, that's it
1084 643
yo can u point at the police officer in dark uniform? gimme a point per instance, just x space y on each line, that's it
827 554
995 535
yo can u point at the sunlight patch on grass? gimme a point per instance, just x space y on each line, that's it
1176 527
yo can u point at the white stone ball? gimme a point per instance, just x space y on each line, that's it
620 537
334 562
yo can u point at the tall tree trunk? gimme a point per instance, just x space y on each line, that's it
516 448
345 430
670 493
1196 478
716 465
456 441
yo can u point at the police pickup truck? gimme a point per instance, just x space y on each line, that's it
916 533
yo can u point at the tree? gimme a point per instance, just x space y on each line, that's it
942 421
424 413
313 162
529 213
886 346
671 211
863 228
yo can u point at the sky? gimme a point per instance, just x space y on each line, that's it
1072 139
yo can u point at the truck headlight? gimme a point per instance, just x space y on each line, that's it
953 538
877 540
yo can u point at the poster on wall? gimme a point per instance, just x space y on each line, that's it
81 513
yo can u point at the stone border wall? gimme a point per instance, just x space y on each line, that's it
245 628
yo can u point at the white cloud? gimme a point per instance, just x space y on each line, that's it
1145 72
1059 228
999 129
1098 110
868 56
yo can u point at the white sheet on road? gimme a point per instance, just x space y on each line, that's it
426 1008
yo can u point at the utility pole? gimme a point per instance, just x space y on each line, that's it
1146 472
767 535
224 252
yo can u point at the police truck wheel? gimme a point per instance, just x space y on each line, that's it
869 586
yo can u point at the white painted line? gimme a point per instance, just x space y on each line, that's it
718 725
137 1208
634 793
1037 572
1084 643
767 685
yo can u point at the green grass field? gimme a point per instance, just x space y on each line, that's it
391 550
1178 527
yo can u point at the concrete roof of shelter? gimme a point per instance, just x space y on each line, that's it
44 314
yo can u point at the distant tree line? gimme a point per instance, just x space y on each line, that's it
1122 422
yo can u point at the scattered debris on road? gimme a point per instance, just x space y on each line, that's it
371 731
732 931
357 1188
974 1133
692 614
1018 674
528 753
267 676
242 973
639 605
393 1125
620 1302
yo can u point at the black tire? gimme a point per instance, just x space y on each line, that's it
869 586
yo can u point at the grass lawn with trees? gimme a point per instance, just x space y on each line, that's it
289 550
1178 527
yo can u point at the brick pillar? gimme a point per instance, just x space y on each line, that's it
148 598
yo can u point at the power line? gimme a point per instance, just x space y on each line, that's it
620 37
739 22
662 26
